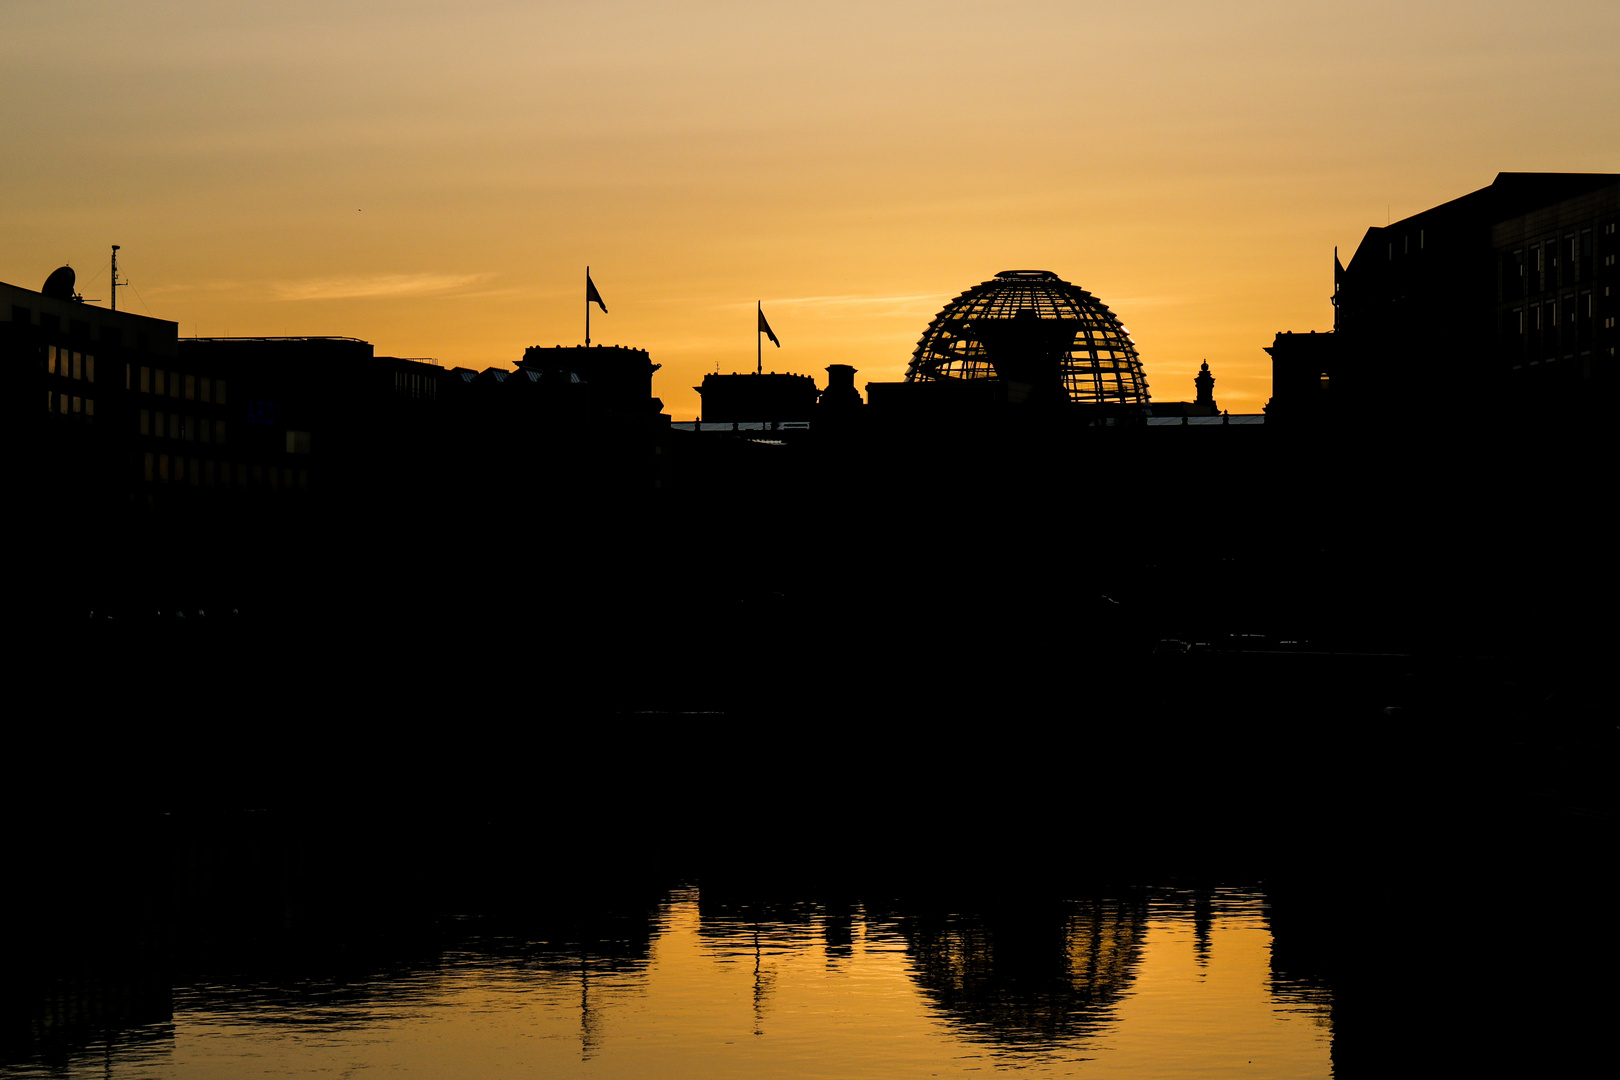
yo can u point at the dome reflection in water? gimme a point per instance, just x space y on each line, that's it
1030 978
718 984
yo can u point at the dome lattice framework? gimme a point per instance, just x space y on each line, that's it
1031 327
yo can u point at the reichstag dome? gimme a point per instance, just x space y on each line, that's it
1046 339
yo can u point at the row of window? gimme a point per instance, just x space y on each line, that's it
1545 314
175 426
1554 262
69 404
70 364
206 472
174 384
415 384
1406 244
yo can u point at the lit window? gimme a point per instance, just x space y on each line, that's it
77 403
78 365
50 359
89 368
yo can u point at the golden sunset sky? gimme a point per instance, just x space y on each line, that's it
434 177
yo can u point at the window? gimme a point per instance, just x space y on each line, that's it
207 389
89 406
219 431
163 467
146 422
174 384
219 391
157 381
297 442
50 359
191 387
188 428
146 379
148 468
78 403
89 368
126 376
78 365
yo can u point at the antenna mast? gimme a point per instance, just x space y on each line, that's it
115 277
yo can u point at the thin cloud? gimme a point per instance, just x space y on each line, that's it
862 301
381 285
1116 303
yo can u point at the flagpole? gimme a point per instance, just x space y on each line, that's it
587 307
759 345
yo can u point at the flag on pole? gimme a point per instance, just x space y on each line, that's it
765 328
591 295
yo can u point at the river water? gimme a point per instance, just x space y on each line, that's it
1259 878
1157 983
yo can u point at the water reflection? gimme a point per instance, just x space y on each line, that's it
695 982
1033 976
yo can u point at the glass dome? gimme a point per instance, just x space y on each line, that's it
1043 337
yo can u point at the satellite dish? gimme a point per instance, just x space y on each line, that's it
59 286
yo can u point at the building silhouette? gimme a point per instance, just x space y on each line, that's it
1498 302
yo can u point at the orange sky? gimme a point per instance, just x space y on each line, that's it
434 177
